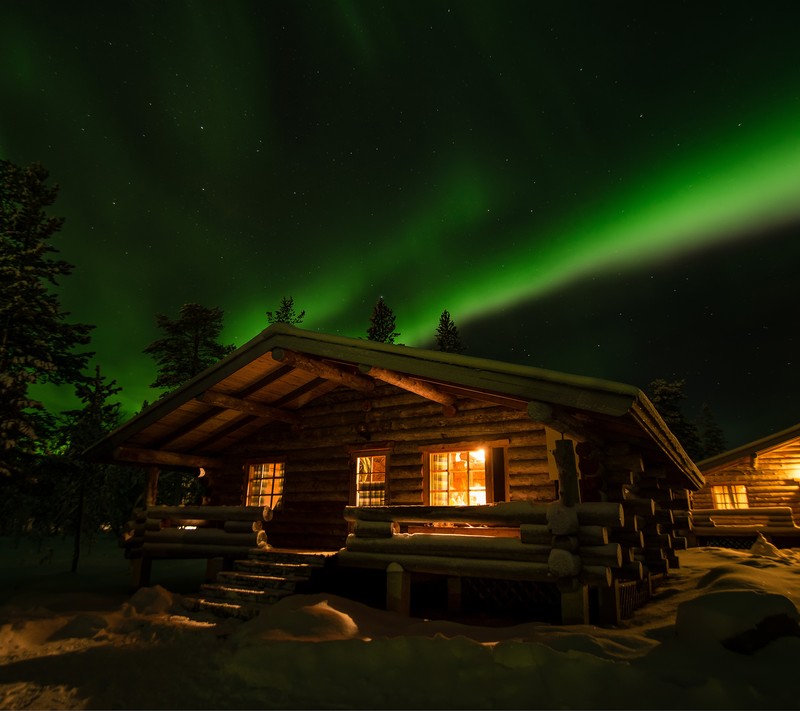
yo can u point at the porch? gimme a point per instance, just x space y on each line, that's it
592 562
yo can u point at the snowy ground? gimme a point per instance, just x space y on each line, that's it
83 641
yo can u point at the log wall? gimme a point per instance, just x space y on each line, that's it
317 454
765 485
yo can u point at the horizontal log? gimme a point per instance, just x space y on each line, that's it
639 507
505 513
181 550
541 534
608 555
200 536
452 566
375 529
460 546
242 526
626 537
630 571
466 530
211 397
171 459
210 513
761 510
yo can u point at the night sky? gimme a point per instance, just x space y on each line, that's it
605 188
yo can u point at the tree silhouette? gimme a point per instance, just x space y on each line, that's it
448 339
37 345
382 323
711 435
190 345
668 397
85 426
286 313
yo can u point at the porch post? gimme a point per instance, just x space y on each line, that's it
151 486
398 589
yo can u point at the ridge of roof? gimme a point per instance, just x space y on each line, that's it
596 395
756 447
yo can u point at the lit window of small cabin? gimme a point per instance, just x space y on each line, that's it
265 484
371 480
458 478
730 496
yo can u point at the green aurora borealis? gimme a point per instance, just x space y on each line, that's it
610 189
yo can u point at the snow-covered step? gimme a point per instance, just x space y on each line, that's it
236 594
226 609
266 567
273 556
260 582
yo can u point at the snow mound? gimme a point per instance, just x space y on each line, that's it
151 601
716 617
316 620
763 547
83 626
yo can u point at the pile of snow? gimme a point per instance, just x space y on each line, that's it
723 632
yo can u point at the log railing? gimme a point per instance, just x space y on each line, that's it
571 546
210 532
744 521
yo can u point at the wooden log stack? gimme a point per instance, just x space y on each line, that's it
210 532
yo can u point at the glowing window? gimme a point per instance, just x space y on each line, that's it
265 484
730 496
371 480
458 478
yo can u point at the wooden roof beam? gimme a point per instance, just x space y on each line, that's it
407 382
210 397
137 455
323 369
560 421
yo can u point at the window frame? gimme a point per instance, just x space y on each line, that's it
355 456
270 497
469 446
729 496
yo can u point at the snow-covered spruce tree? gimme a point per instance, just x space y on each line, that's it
286 313
37 344
382 323
190 344
448 340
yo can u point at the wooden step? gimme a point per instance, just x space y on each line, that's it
263 567
255 581
269 555
226 609
237 594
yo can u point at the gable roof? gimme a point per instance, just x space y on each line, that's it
280 370
759 448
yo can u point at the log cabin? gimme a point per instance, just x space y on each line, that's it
752 489
413 465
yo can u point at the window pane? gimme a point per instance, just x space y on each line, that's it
730 496
265 484
371 480
458 478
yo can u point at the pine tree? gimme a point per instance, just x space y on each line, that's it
85 426
712 437
190 345
382 323
448 339
37 344
286 313
668 397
